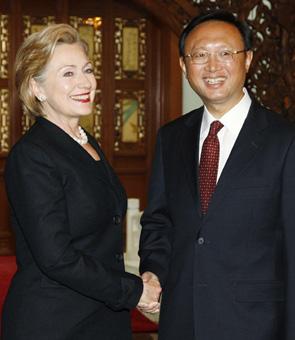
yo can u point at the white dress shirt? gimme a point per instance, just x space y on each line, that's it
232 121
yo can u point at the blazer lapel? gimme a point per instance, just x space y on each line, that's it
80 157
189 150
72 149
113 178
243 152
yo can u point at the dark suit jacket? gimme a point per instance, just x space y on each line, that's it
67 217
231 274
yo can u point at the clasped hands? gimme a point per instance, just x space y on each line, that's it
149 301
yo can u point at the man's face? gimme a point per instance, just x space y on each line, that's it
218 83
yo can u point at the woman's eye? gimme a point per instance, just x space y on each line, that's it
89 70
68 74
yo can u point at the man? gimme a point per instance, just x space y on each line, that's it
218 234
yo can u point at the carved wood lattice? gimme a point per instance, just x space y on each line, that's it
272 74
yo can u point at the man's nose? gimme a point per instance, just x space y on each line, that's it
213 63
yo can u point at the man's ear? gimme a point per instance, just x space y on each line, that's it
36 89
183 66
249 57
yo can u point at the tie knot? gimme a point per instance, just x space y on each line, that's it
215 127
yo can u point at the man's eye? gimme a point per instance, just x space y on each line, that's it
225 53
200 55
68 74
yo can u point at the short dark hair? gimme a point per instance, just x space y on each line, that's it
219 15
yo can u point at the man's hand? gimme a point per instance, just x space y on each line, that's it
149 301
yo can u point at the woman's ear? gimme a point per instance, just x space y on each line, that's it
36 90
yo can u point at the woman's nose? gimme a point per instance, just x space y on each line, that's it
84 81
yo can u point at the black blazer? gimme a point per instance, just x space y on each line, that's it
231 274
67 212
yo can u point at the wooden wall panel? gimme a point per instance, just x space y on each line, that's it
158 92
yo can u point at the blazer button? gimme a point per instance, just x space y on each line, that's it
117 219
119 257
201 241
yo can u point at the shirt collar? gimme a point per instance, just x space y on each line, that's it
233 119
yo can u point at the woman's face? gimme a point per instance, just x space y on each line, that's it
69 84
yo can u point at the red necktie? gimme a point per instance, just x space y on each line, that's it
209 165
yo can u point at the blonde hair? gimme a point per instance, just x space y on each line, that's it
33 57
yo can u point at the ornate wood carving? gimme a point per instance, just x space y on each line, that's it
4 121
97 117
4 46
121 71
4 93
272 75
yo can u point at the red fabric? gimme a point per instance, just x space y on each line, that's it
209 165
8 267
141 324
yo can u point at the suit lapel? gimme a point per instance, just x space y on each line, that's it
189 150
247 144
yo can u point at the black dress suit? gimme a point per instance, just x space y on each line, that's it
231 274
67 212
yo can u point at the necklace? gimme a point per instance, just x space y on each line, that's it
83 139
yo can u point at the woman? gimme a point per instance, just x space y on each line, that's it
67 205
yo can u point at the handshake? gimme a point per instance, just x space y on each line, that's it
149 301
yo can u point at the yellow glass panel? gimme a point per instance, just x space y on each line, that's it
130 49
37 28
87 33
130 120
